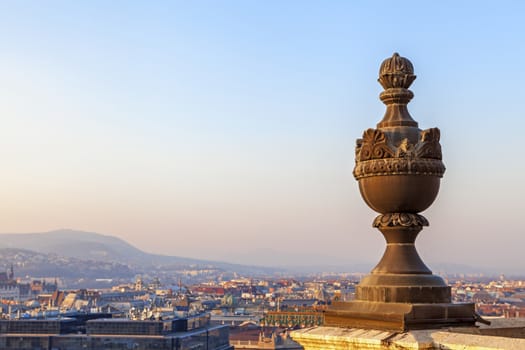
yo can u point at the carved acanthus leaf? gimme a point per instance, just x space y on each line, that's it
373 145
405 150
428 145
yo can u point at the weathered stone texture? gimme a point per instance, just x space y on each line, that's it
334 338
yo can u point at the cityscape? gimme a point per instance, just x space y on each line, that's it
258 307
220 175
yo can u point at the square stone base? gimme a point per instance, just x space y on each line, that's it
399 317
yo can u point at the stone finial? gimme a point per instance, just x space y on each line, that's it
399 167
395 76
396 72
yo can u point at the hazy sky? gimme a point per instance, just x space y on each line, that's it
226 129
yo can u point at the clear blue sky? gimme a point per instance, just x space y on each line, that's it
226 129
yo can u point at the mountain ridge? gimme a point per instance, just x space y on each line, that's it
87 245
92 246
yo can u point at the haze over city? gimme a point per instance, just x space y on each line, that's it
226 130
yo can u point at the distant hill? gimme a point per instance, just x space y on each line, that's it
78 244
97 247
111 256
30 263
81 245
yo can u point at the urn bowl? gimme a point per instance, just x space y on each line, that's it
407 193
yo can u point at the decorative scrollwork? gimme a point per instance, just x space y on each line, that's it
376 156
428 145
373 145
400 219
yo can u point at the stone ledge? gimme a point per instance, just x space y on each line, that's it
335 338
459 341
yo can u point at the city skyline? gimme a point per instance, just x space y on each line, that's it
226 130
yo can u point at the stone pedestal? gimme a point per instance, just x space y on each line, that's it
399 316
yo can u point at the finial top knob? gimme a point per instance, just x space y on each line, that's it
396 72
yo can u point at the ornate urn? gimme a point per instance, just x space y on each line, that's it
398 168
